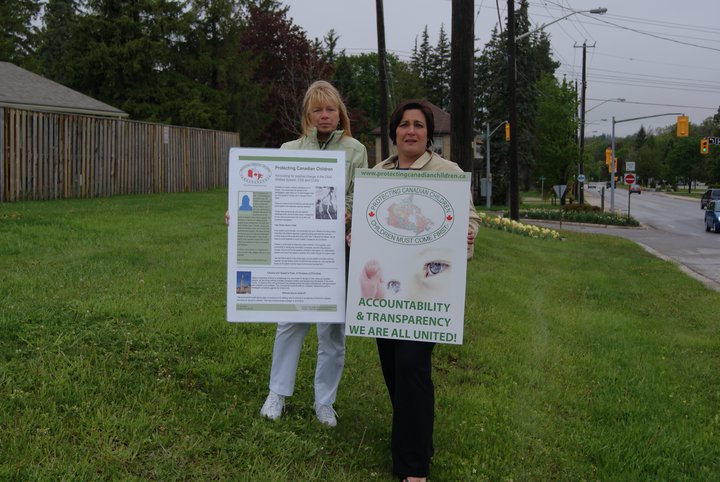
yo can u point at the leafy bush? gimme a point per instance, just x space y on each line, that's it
581 214
581 208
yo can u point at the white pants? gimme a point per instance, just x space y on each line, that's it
330 359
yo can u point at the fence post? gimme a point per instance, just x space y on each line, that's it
2 154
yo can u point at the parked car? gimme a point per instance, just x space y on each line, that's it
635 188
712 216
710 194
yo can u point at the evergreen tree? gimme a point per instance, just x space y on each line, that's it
640 138
439 72
55 37
17 35
214 75
117 52
533 60
491 108
422 61
329 46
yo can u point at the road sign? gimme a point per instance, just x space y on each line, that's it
629 178
630 166
581 178
559 189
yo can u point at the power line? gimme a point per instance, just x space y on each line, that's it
651 77
673 37
650 34
661 23
497 6
646 86
675 87
656 62
644 20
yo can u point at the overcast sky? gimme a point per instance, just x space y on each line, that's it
662 56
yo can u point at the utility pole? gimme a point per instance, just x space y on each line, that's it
512 93
461 84
382 78
512 111
581 164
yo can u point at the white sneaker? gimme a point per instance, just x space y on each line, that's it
326 414
273 406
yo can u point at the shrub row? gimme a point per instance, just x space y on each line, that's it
580 214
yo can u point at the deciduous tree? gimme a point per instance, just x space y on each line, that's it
288 65
555 127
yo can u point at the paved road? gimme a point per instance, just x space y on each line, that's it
672 228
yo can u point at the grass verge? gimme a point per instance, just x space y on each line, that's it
583 359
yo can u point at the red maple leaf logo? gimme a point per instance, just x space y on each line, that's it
449 217
371 214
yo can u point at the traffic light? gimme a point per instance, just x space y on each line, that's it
507 131
683 126
703 146
608 156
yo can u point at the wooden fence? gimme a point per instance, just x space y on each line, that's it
56 156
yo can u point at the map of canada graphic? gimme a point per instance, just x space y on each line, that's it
410 215
406 215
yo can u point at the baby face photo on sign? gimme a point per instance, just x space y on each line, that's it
412 264
425 275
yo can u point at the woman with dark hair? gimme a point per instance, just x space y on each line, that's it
407 365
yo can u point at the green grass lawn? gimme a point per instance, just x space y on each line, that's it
584 359
695 194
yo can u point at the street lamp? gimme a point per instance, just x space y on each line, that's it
596 11
619 99
512 95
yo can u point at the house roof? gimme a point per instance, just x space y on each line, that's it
21 89
442 121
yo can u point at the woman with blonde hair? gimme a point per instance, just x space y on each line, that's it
325 125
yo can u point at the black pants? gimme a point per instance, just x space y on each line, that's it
407 367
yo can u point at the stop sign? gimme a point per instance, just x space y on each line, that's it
629 178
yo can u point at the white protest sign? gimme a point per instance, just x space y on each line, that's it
408 258
286 237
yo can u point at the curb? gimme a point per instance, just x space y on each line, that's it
572 223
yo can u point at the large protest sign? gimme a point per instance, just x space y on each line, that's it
409 259
286 236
